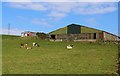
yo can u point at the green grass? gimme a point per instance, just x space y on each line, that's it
54 58
0 54
9 36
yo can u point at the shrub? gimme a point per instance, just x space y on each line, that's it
41 35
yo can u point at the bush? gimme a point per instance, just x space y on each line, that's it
41 35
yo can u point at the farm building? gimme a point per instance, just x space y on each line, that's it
76 32
28 33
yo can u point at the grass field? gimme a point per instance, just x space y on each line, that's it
54 58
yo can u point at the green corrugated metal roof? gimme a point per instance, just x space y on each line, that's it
60 31
84 29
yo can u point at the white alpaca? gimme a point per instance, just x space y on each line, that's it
69 47
34 43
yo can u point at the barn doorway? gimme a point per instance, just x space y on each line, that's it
53 36
94 36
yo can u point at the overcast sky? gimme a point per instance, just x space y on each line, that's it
49 16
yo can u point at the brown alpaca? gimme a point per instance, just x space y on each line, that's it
28 47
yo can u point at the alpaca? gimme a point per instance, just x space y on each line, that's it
69 46
24 45
35 44
28 47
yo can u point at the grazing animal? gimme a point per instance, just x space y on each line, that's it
28 47
24 45
69 46
35 44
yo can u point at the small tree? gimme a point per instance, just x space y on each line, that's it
41 35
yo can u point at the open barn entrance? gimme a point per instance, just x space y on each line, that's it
94 36
53 36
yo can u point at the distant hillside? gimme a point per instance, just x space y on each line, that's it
13 37
9 36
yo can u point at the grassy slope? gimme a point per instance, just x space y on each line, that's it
0 54
53 57
9 36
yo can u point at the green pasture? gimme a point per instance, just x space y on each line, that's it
54 58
